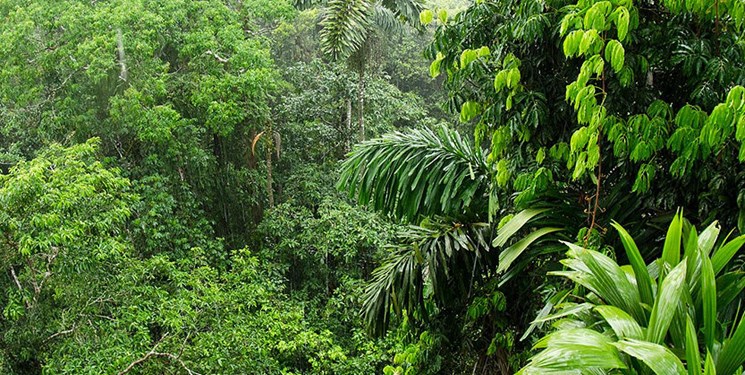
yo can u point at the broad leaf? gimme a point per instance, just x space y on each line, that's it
668 298
709 296
671 249
724 254
515 224
693 356
643 280
575 349
608 280
659 358
508 255
623 325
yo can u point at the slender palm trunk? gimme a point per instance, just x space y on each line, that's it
361 98
269 180
348 130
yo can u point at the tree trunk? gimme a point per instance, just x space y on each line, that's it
361 98
269 181
348 130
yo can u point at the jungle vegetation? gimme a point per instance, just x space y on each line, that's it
372 187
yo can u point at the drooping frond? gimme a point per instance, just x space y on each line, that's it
418 172
407 10
439 255
306 4
386 19
345 25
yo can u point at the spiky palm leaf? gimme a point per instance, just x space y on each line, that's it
439 256
445 258
306 4
386 19
407 10
346 24
648 329
418 173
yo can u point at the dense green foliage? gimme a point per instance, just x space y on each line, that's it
692 309
588 111
141 142
371 186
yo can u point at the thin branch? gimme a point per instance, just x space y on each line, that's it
600 171
183 344
15 278
60 333
120 48
20 288
217 57
595 206
98 316
170 356
154 353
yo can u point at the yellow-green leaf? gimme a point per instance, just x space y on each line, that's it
426 17
622 23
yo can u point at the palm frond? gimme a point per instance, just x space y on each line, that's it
386 20
439 256
407 10
306 4
419 172
345 25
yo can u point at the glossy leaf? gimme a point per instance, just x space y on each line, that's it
666 303
658 358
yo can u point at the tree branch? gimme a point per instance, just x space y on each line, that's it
20 288
154 353
217 57
60 333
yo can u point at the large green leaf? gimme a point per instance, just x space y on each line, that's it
668 298
694 265
659 358
709 367
709 296
708 238
671 248
608 280
623 325
693 356
515 224
643 280
508 255
725 253
574 349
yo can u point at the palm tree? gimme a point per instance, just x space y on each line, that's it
440 184
347 27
